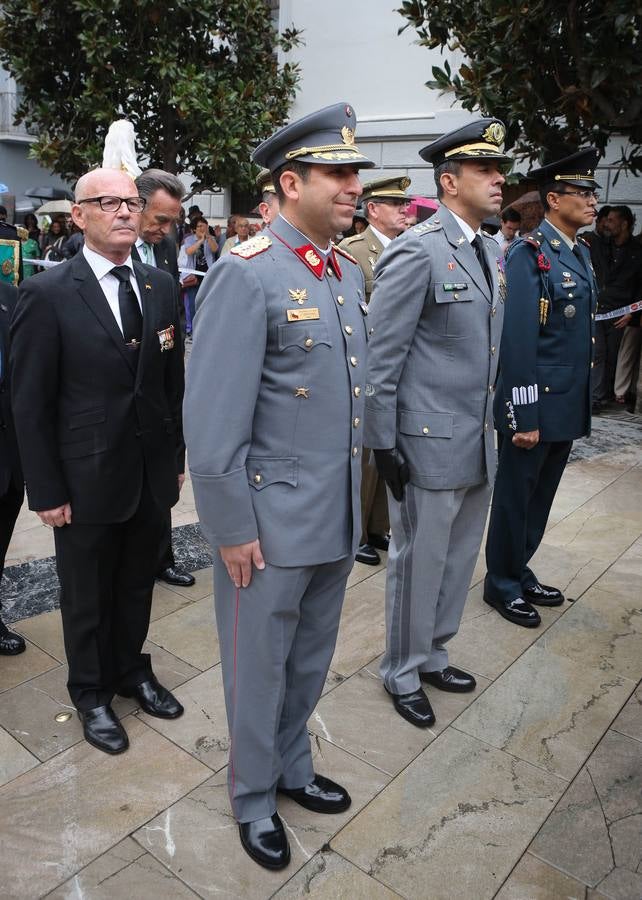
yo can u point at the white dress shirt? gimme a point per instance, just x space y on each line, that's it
101 267
383 239
146 252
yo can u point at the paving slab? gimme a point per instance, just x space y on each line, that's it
462 807
359 717
76 806
14 758
189 633
16 669
198 837
362 630
204 586
533 879
328 876
630 719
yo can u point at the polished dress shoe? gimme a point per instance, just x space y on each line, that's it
414 708
450 679
543 595
320 795
266 842
176 576
10 643
154 699
518 611
379 541
368 555
102 729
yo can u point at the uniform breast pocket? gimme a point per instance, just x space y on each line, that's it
304 336
565 299
451 312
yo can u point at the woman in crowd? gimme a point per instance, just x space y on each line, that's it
199 253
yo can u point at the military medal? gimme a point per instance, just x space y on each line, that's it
166 338
569 311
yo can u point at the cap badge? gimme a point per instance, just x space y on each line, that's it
348 135
495 133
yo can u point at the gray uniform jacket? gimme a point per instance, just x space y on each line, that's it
274 400
433 353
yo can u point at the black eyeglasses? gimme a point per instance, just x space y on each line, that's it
113 204
586 195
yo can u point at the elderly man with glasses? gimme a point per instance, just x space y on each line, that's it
97 368
543 397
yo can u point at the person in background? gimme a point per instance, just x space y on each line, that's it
242 227
198 253
53 240
31 224
510 220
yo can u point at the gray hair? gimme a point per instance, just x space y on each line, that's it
450 167
157 180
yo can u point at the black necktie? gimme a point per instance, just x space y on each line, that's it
478 246
577 252
130 314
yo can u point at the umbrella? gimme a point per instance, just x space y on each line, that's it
49 193
54 206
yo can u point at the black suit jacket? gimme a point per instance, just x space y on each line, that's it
9 458
165 256
90 422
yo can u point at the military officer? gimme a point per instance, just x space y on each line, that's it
384 202
275 457
543 399
435 320
269 205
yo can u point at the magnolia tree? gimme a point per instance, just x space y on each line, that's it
559 75
200 82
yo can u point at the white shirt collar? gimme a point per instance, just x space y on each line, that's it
384 240
102 266
469 234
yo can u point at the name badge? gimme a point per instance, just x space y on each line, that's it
456 287
569 284
300 315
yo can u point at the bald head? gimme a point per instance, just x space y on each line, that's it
105 182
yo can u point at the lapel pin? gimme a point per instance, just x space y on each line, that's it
148 287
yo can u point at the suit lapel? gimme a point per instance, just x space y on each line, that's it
149 313
464 253
91 292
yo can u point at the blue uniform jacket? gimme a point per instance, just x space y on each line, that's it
545 366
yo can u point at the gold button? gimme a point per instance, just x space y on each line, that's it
426 430
357 391
547 389
592 315
356 421
348 329
355 450
456 296
593 339
258 478
493 311
485 426
329 271
491 388
340 300
570 295
353 360
492 351
371 331
309 342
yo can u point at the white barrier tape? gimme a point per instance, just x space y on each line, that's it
50 263
617 313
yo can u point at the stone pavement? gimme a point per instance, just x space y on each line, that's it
528 789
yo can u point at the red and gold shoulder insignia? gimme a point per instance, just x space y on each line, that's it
345 253
533 242
252 247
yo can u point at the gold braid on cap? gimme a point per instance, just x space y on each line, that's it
303 151
474 149
588 174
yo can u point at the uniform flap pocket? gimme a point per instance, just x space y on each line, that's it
426 424
265 470
92 417
452 292
305 335
554 379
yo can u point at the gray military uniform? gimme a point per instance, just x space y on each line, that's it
436 327
273 422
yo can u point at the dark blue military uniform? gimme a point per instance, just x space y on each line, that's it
544 384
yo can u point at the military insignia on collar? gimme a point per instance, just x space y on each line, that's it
451 266
311 257
166 338
461 240
555 243
299 295
567 274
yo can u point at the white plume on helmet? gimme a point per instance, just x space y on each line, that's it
120 148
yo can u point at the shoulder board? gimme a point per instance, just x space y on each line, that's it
253 247
583 241
531 241
487 234
427 227
353 239
345 253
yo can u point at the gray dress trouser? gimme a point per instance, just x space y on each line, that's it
436 537
277 637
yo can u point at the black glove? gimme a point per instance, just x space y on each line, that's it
393 468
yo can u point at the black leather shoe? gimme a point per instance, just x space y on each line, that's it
543 595
10 643
103 730
450 679
379 541
517 611
414 708
154 699
368 555
176 576
266 842
321 795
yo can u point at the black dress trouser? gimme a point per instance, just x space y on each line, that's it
10 504
106 577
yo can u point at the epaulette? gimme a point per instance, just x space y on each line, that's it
533 242
345 253
427 227
584 241
487 234
252 247
351 239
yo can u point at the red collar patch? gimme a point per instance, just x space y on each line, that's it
311 258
